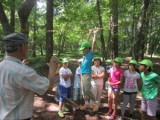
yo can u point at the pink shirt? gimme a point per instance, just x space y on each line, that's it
115 75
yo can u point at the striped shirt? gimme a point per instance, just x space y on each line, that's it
18 83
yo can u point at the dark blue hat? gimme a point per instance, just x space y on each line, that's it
15 37
13 41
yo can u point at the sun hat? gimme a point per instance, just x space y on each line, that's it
118 59
133 62
84 45
108 61
97 58
64 60
147 62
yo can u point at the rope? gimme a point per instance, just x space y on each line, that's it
73 30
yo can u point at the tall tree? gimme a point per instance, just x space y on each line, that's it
101 28
34 32
4 20
139 42
114 28
49 30
12 14
24 12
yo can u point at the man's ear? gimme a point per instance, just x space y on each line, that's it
22 48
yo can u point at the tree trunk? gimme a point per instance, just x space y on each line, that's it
101 28
109 44
12 14
61 43
114 27
133 29
41 49
4 21
49 28
138 44
23 13
34 33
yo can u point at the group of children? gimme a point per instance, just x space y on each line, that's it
89 82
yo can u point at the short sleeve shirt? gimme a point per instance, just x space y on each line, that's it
115 75
130 84
77 78
87 63
63 82
18 83
107 68
150 85
97 70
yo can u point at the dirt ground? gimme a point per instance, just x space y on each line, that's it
45 107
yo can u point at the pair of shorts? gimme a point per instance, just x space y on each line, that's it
64 93
149 106
116 90
109 88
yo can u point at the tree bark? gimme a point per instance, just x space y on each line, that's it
109 44
101 28
34 33
49 29
23 13
4 21
12 14
138 44
133 29
114 27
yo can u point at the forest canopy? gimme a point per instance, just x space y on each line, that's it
53 26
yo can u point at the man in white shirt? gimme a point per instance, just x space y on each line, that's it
18 82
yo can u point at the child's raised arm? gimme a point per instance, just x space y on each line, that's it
94 39
89 35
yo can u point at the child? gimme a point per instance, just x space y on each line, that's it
107 86
149 90
64 86
98 73
115 78
130 87
77 94
108 64
86 73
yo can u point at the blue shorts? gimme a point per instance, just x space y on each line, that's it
64 93
116 90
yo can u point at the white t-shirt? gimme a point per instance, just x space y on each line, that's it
97 70
65 83
77 78
131 81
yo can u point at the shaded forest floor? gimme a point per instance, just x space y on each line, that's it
45 107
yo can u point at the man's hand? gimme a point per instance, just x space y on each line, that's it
25 61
